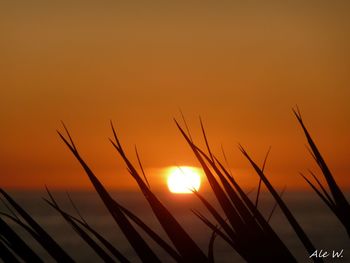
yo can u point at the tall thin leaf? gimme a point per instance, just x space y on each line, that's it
140 246
185 245
45 239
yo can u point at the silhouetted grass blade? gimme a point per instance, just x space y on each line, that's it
184 244
211 247
231 233
337 193
342 206
275 206
152 234
326 195
231 213
6 255
293 222
17 244
259 185
25 227
213 227
250 235
140 246
96 247
42 236
324 199
105 242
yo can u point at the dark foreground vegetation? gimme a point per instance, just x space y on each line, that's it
241 223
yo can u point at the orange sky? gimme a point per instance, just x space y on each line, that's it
241 66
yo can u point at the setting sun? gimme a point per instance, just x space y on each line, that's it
183 179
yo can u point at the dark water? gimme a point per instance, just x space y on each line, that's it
321 225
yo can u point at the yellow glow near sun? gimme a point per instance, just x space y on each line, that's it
183 179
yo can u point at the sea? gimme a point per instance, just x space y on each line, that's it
320 224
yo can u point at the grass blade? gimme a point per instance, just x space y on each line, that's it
184 244
153 235
323 198
326 195
275 206
95 247
140 246
231 213
231 233
336 192
342 205
46 240
115 252
214 228
6 255
17 244
211 247
263 168
294 223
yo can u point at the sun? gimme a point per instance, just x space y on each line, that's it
184 179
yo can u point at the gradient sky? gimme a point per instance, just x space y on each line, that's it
241 65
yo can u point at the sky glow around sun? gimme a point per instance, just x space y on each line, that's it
183 179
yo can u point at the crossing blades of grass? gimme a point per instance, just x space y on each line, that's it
339 204
46 241
253 238
16 244
293 222
142 249
184 244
